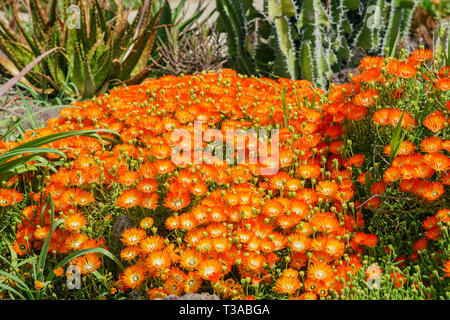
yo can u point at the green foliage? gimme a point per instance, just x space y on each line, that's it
18 282
310 39
95 52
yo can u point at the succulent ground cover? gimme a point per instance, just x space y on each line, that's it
246 187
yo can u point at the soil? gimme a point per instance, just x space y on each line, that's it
342 76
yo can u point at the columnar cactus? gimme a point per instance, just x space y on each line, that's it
310 39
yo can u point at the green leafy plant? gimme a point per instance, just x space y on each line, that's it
94 52
41 270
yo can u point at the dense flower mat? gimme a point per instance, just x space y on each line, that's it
297 233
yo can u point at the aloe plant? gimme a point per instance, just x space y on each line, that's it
95 53
310 39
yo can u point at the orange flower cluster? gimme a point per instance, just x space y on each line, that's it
433 232
9 197
421 164
420 168
228 220
223 224
35 227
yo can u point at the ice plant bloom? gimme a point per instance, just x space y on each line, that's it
133 236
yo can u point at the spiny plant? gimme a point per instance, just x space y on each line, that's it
442 42
310 39
95 53
202 49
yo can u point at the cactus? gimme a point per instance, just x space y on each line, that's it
311 39
400 15
442 44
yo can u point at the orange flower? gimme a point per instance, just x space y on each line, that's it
127 178
129 198
420 244
334 248
172 222
327 188
190 259
147 186
146 223
325 222
435 121
405 71
38 285
88 263
308 296
59 272
286 285
431 144
210 270
177 201
381 117
443 84
371 62
378 188
437 161
129 253
406 148
366 98
273 208
41 232
151 244
433 191
370 240
75 222
158 261
133 276
192 283
149 201
446 269
308 171
187 221
422 55
299 242
132 236
9 197
254 262
398 279
75 240
320 271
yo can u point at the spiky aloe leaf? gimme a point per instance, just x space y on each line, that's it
141 49
22 73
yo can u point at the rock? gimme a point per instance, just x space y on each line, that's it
192 296
121 223
341 77
135 295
